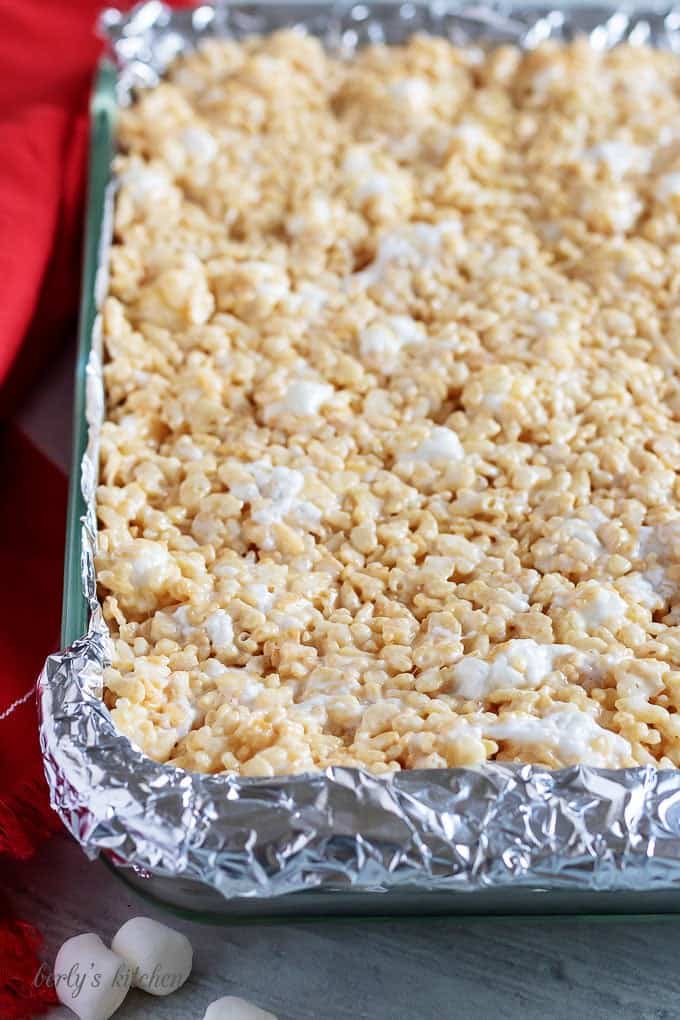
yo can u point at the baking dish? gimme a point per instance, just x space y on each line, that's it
512 839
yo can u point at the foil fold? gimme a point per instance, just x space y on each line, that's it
497 826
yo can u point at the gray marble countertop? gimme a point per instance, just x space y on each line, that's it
337 969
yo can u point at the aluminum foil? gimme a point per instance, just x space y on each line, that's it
460 829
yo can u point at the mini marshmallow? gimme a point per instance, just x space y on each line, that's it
232 1008
90 979
159 957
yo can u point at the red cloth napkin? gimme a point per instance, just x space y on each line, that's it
48 52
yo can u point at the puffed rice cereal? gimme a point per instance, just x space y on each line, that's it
389 476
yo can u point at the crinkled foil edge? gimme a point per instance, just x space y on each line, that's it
457 829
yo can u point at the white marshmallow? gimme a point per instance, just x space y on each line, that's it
89 978
159 957
232 1008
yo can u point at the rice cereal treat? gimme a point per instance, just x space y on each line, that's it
389 476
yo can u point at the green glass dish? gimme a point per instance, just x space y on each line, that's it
75 610
191 898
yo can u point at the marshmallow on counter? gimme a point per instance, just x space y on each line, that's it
159 957
89 978
232 1008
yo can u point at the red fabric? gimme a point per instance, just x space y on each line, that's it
31 544
31 554
24 992
40 230
48 52
47 55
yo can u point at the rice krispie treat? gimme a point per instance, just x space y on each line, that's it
389 476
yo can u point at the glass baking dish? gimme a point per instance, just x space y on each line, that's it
634 841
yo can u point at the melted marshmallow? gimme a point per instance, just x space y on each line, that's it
584 529
220 629
521 662
414 245
380 343
667 186
648 590
199 144
475 138
442 444
144 183
274 494
149 562
368 182
414 92
621 158
596 605
303 397
310 298
571 734
264 599
182 626
658 546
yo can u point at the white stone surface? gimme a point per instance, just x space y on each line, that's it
383 969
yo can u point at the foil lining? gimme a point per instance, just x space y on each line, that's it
452 829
